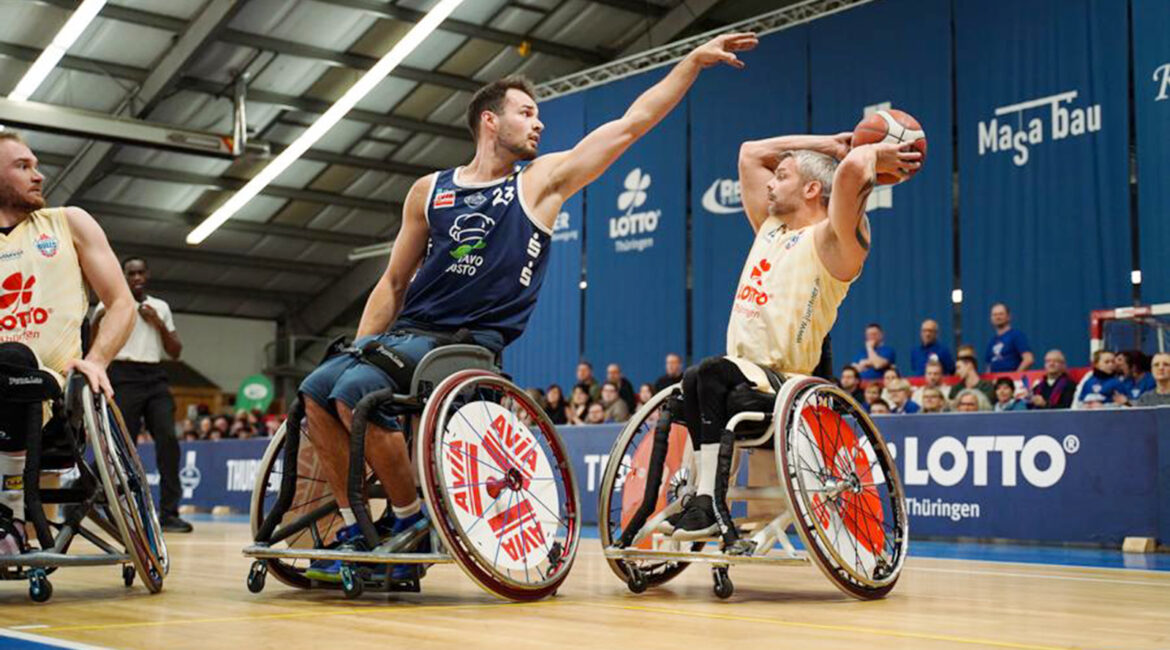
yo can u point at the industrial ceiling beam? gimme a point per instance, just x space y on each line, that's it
202 289
203 256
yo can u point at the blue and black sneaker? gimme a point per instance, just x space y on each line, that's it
330 570
414 525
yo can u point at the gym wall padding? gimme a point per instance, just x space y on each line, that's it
635 251
908 275
1151 84
548 351
728 106
1043 165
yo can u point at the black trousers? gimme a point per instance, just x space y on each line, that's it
141 391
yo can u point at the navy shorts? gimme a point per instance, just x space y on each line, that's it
347 379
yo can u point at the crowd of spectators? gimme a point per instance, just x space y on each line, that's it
241 425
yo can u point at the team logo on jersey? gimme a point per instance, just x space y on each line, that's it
7 256
47 245
444 199
469 231
475 200
792 242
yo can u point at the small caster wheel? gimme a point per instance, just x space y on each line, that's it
39 587
723 585
128 576
351 583
256 576
636 581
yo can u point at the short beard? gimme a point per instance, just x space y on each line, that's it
11 200
520 151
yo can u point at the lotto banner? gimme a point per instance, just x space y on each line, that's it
635 252
1151 84
548 350
908 275
729 107
1043 165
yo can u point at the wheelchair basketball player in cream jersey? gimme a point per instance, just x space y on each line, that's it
805 197
47 258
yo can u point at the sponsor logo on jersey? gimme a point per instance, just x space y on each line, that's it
723 197
444 199
475 200
16 296
8 256
752 291
469 232
1024 125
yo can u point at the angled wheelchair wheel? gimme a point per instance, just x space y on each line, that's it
313 511
499 484
843 486
128 498
623 489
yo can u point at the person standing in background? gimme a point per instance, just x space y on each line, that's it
140 385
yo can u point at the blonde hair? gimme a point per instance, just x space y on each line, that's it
14 136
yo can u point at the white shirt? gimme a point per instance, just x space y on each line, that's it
145 343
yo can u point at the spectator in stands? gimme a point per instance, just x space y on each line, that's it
554 405
579 403
934 379
596 414
890 376
873 393
900 397
615 407
1008 350
190 436
850 382
970 400
967 370
1160 396
645 394
1056 389
1005 396
966 350
876 356
585 378
879 407
930 350
1133 369
204 428
933 401
674 371
1097 387
537 396
222 424
613 375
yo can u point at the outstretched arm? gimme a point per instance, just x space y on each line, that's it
385 301
758 160
565 173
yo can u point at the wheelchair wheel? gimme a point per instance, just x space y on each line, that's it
499 484
623 488
844 488
129 501
312 493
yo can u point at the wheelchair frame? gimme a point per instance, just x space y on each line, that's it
435 382
626 560
115 483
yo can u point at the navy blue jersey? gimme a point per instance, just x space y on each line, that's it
485 259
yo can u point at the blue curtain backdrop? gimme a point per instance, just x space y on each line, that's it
1151 71
1043 130
547 352
728 107
909 273
635 305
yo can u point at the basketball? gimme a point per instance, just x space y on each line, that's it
890 125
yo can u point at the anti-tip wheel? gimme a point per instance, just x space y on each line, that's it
636 582
351 583
39 588
256 576
128 575
724 588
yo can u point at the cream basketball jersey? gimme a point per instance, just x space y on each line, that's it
43 298
786 301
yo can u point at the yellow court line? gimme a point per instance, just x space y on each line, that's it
830 628
349 611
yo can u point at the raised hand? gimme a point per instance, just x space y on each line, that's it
722 49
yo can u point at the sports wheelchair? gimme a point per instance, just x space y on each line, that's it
106 499
837 486
496 479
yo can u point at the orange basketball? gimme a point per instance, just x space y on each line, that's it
890 125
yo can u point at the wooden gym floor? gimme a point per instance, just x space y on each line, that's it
939 603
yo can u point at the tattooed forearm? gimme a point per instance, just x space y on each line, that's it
862 232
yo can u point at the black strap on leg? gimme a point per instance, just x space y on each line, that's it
34 511
655 471
722 476
356 480
288 480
